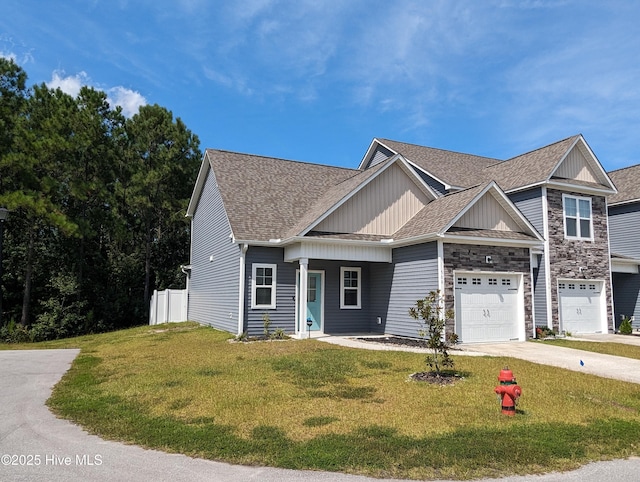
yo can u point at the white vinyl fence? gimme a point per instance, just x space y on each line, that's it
168 305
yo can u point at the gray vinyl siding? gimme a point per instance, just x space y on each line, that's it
411 276
530 204
623 230
283 316
540 293
336 320
213 286
438 187
626 302
379 155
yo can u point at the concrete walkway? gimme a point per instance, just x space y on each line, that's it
607 366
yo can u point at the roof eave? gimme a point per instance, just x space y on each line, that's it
197 189
622 203
461 239
603 191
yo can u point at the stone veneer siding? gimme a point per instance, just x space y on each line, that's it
504 260
567 256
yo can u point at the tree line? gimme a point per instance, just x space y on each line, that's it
97 208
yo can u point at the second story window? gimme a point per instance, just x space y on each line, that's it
577 217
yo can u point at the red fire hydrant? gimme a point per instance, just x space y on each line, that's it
509 391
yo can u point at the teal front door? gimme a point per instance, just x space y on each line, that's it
314 301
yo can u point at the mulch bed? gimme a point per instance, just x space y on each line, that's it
396 340
445 378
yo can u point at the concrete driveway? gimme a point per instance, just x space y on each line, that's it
35 445
607 366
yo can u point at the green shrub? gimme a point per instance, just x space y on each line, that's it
430 312
625 326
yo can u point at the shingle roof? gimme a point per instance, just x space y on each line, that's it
627 181
453 168
264 197
332 195
530 168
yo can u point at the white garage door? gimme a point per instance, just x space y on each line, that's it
486 307
580 305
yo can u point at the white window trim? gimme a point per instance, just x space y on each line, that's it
342 288
564 217
254 268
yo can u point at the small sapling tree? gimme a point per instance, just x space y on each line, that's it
432 316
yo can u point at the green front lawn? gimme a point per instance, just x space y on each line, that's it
311 405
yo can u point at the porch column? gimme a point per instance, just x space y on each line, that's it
302 299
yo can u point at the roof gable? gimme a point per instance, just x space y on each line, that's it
488 213
570 160
481 208
381 207
357 200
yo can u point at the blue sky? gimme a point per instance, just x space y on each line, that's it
318 80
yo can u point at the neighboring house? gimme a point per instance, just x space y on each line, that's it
624 237
511 244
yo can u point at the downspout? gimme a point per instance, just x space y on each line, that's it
241 289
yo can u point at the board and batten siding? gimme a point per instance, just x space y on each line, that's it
283 316
487 213
382 207
397 287
575 167
624 237
215 268
530 204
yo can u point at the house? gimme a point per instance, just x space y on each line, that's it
511 244
624 220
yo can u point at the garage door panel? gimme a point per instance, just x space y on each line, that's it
486 307
580 308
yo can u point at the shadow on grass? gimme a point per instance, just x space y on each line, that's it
374 450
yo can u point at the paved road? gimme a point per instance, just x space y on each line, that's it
57 450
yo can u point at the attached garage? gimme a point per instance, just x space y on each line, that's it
580 306
489 307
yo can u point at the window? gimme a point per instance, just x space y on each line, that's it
462 281
506 282
577 217
476 281
263 286
493 281
350 288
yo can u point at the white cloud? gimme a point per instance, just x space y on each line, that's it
128 99
69 85
8 56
